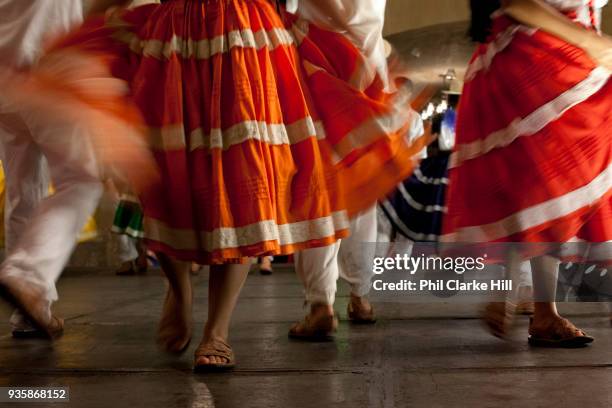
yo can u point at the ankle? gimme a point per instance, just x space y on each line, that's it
215 333
545 311
321 309
181 295
546 319
359 300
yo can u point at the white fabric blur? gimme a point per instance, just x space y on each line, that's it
46 232
583 9
417 129
138 3
25 24
127 249
25 195
350 259
362 21
524 276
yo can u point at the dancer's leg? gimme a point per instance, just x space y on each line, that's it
127 252
175 327
547 327
26 184
355 260
45 245
524 286
545 272
127 248
317 268
498 316
224 287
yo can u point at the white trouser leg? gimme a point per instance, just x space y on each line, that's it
357 253
45 245
317 268
26 184
524 277
126 248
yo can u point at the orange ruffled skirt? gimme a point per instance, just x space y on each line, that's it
266 136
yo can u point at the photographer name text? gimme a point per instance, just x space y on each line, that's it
440 285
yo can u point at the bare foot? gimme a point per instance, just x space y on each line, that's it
175 328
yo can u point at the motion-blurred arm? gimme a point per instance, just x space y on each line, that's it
537 14
330 14
362 21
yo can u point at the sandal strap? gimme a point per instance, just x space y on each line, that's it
561 329
568 327
308 326
215 348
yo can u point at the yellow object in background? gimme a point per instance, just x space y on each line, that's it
89 232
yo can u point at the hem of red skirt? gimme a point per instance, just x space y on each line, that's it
548 238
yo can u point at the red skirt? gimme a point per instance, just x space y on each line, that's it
265 135
533 156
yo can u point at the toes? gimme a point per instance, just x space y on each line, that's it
208 360
219 360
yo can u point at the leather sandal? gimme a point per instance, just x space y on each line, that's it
498 317
359 315
560 334
214 348
320 329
